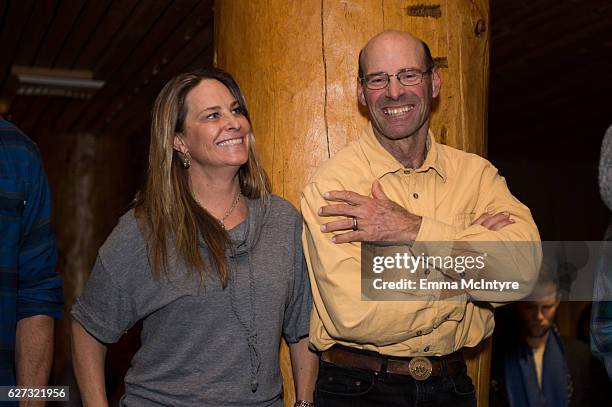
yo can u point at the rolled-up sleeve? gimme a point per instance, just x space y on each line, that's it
104 309
336 284
514 253
39 285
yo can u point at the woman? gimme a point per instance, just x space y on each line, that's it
208 259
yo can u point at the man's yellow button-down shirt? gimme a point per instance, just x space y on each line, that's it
450 190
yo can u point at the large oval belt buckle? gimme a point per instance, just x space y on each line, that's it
420 368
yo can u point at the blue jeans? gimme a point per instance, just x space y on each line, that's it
339 386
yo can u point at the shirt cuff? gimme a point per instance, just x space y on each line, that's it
93 324
435 238
435 231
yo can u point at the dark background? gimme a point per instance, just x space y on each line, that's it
549 107
548 110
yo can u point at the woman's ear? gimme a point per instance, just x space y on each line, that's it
179 144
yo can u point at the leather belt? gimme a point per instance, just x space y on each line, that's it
419 367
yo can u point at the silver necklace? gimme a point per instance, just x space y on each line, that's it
228 212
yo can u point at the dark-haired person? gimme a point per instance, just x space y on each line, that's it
533 365
30 287
208 259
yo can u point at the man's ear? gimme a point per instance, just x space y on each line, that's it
436 82
179 144
360 95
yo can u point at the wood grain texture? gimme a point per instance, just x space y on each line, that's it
297 65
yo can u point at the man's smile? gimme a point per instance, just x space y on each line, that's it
396 111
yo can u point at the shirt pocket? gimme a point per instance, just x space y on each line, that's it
12 204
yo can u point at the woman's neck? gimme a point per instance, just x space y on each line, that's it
219 194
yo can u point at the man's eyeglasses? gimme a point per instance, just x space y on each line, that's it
407 77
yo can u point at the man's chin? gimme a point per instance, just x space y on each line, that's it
395 132
538 333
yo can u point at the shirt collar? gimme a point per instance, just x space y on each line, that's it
382 162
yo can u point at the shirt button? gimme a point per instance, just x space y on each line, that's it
426 349
419 333
447 316
406 172
427 271
415 195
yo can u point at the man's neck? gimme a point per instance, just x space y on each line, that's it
409 151
537 342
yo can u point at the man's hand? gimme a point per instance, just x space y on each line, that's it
378 218
494 221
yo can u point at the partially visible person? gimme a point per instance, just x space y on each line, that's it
30 287
583 325
601 317
533 365
208 259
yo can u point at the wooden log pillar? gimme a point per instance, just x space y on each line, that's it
297 64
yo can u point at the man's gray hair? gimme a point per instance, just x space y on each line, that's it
605 169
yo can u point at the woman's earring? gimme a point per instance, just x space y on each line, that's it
186 161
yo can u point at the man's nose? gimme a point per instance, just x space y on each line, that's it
394 89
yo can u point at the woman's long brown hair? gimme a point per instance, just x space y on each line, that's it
166 204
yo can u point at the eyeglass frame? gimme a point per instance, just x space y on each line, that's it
363 80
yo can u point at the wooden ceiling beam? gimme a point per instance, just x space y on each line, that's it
162 35
74 110
181 38
126 122
60 29
37 26
11 35
166 36
84 30
142 101
118 13
130 36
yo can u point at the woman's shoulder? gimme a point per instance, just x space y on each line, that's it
125 243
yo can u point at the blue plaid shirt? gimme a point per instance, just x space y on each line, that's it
29 283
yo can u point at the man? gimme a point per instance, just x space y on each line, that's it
534 366
30 287
400 353
601 318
